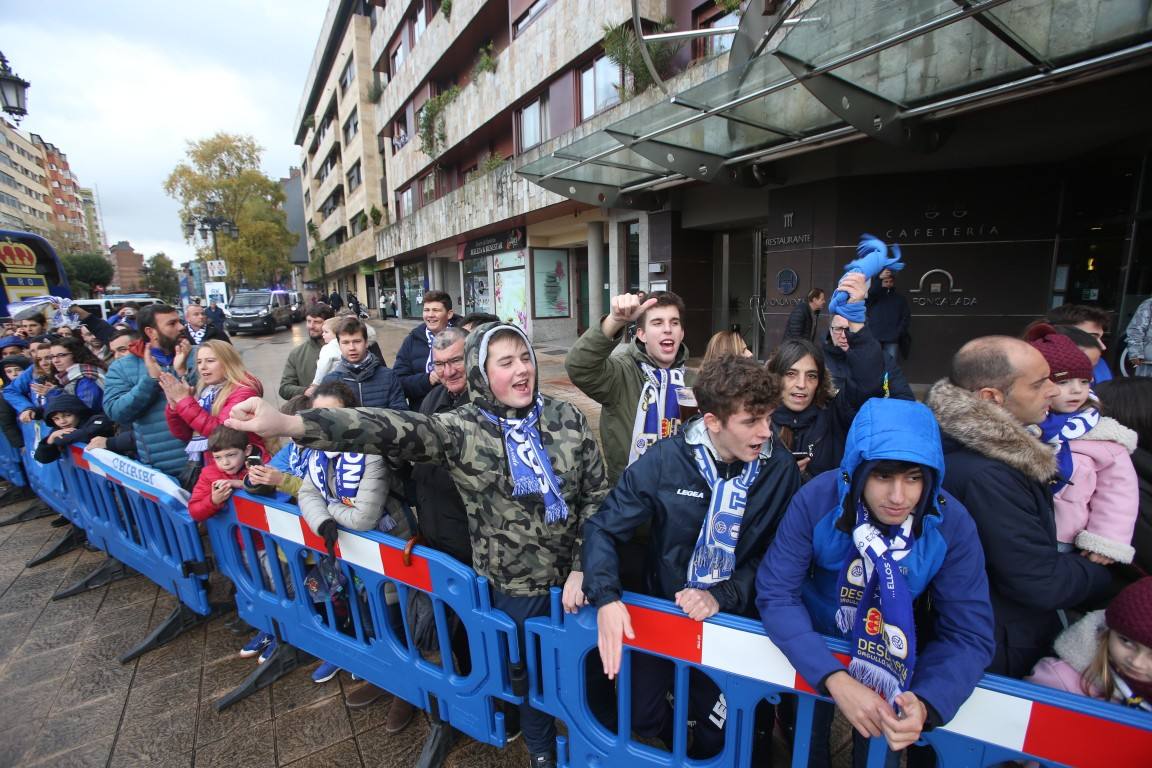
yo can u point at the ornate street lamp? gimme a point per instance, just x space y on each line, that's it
208 223
13 91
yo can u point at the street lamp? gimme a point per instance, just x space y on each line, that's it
209 223
13 91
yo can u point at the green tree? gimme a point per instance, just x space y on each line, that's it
161 276
225 168
86 270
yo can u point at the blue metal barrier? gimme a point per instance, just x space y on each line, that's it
11 465
46 480
364 635
1003 720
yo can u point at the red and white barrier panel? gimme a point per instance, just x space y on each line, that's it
360 551
1005 720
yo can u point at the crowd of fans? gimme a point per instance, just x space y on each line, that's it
1004 525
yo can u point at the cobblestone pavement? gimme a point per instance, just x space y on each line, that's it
66 700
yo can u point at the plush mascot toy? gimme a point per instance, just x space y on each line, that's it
872 258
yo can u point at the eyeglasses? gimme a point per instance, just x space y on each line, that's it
61 356
838 329
455 362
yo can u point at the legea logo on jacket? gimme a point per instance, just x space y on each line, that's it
686 492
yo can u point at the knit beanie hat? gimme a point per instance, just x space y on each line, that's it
1130 612
1065 359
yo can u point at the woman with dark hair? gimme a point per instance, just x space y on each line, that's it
1129 401
79 371
813 420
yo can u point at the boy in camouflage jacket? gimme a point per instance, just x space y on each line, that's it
522 544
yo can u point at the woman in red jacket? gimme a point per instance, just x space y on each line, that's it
194 414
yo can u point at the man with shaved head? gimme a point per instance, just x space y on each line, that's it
997 388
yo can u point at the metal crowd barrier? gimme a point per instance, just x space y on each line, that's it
1003 720
366 629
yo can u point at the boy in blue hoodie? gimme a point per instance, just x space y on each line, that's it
856 547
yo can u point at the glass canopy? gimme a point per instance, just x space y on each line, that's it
842 67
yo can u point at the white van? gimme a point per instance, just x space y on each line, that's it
106 307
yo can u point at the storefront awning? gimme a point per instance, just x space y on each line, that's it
839 70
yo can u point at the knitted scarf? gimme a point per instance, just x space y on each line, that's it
199 443
532 473
428 365
197 336
714 556
78 371
876 606
343 486
658 410
1060 428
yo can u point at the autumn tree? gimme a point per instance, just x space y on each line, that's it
225 169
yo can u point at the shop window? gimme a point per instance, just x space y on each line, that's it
351 126
427 188
534 123
600 86
529 16
709 16
347 75
354 177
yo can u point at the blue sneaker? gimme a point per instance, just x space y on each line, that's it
268 651
257 644
325 672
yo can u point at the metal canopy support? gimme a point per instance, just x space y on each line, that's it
601 195
692 163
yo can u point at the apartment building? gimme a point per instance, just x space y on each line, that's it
340 168
24 202
93 220
70 229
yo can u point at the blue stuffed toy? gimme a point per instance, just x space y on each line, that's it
872 258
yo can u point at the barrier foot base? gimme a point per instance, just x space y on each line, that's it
441 739
283 661
71 540
181 619
13 494
33 512
109 571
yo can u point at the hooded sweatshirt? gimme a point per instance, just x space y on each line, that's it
512 545
88 425
797 583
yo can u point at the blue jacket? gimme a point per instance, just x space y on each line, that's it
796 585
133 399
374 383
664 487
19 393
410 363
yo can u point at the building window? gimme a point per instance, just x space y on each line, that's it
708 17
599 87
354 177
307 199
529 16
404 203
359 223
347 75
419 22
351 126
396 59
534 123
400 131
427 188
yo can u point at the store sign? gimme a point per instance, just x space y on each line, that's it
938 288
512 240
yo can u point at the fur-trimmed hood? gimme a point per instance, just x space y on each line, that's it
989 430
1110 430
1078 644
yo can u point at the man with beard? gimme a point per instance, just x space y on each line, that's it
301 366
132 394
414 360
200 328
375 384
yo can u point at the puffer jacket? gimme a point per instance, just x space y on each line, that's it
134 399
375 384
614 381
410 363
664 487
511 544
362 512
796 586
1002 475
187 417
1097 510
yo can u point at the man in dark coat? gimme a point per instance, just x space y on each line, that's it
335 301
413 362
200 329
804 316
997 388
888 313
713 494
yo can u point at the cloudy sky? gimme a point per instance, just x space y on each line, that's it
120 86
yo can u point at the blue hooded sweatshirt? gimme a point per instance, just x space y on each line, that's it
796 585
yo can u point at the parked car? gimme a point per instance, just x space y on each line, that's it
298 309
260 310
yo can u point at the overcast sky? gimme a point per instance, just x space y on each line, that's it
120 86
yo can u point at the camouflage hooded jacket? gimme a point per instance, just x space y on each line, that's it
511 544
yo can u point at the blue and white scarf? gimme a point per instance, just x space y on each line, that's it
876 607
428 365
1060 428
658 410
199 443
532 473
349 473
298 461
714 557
